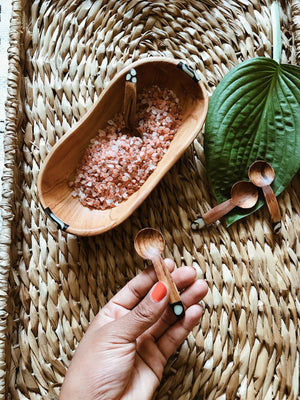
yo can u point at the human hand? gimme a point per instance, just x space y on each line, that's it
125 349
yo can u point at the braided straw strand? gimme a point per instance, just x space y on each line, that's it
62 54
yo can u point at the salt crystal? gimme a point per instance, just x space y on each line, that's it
116 159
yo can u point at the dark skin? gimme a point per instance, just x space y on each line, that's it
124 351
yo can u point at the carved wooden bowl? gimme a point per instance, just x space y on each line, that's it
60 165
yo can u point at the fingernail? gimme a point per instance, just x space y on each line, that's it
159 292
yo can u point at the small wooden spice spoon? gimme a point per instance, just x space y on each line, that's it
262 174
149 244
130 98
243 194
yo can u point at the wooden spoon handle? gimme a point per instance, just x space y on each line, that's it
272 206
130 99
163 274
217 212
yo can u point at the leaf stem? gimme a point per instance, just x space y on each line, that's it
276 32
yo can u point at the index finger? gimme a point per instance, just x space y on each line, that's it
127 298
136 289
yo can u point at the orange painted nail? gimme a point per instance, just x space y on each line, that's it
159 292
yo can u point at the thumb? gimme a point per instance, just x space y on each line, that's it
144 315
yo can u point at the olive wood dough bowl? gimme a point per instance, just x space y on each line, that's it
60 165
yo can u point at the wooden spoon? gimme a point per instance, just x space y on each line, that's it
60 165
243 194
149 244
262 174
130 98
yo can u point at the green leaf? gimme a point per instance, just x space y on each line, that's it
254 113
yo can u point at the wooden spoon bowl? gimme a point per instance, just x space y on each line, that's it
149 243
244 194
261 173
60 165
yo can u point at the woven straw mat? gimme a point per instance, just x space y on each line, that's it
62 54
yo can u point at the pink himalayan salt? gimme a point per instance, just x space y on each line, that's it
116 164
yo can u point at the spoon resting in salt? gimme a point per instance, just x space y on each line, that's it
149 244
243 194
130 98
262 175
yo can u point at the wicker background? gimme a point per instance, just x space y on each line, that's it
5 14
62 54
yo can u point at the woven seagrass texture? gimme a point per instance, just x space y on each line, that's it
62 55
